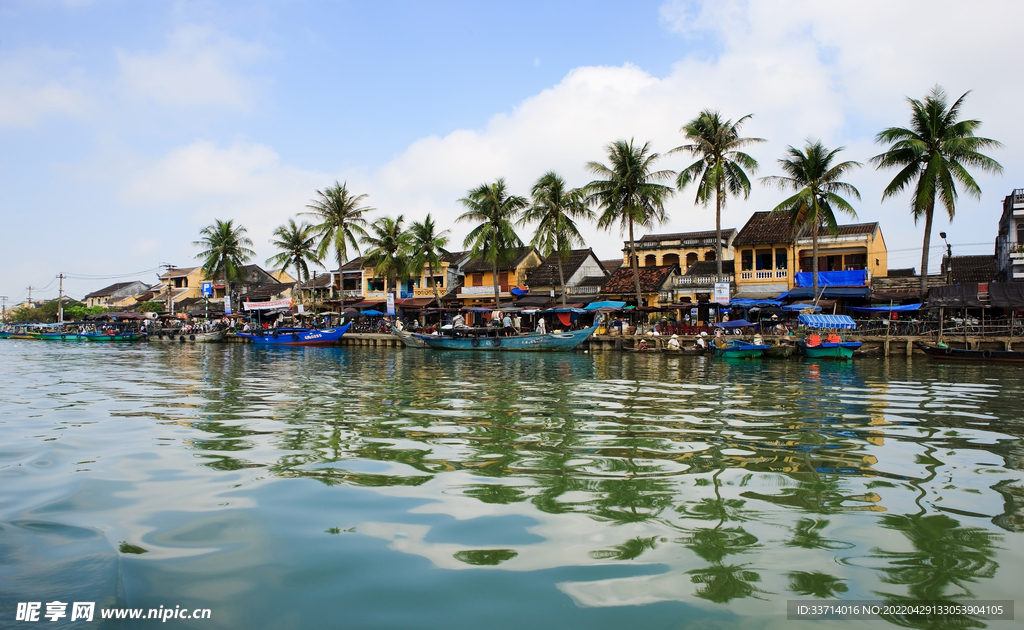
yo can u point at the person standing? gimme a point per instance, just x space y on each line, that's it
542 327
517 323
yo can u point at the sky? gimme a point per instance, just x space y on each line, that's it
126 127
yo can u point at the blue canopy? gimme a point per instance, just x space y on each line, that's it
372 313
827 321
884 309
832 278
739 323
799 307
516 291
593 306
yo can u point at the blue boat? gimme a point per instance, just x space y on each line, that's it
484 340
297 336
736 349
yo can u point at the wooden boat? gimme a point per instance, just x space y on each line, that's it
180 337
408 339
984 356
113 336
474 340
780 351
736 349
692 351
841 350
297 336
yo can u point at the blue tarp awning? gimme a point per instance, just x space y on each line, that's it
739 323
884 309
799 307
829 292
832 278
593 306
564 310
827 321
744 303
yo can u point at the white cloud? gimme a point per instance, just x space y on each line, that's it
198 67
28 91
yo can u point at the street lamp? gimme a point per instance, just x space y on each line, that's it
949 258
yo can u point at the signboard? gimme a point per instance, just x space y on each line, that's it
207 289
302 308
721 293
488 290
264 306
227 304
391 303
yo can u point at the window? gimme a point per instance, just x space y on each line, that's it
763 259
855 262
710 256
1020 234
781 258
650 260
478 280
503 280
747 260
375 284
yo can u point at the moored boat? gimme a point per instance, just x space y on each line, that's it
780 351
832 348
410 340
690 351
473 339
113 335
178 336
736 349
298 336
940 353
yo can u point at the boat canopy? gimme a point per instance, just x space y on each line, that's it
827 321
738 323
884 309
610 304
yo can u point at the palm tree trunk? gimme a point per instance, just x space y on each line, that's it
341 284
718 230
928 215
494 278
814 263
561 279
633 263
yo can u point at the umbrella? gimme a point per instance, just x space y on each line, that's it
371 313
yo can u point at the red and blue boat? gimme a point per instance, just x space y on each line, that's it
297 336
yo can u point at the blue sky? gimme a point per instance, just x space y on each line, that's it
125 127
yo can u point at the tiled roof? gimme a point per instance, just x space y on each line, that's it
592 281
108 290
764 228
479 265
547 274
857 228
453 257
353 265
686 236
178 272
611 265
710 268
651 279
965 269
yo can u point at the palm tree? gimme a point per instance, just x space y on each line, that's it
935 151
427 245
721 166
628 194
340 221
811 174
494 237
555 210
389 250
226 250
296 247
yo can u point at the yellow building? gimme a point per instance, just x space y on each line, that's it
769 255
478 287
682 249
179 284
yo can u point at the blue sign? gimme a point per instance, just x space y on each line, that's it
207 289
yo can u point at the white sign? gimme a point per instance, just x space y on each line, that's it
302 308
374 295
391 303
488 290
263 306
721 293
227 304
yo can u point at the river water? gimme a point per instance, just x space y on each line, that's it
382 488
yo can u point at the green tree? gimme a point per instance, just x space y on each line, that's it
390 249
225 251
494 237
629 194
815 179
340 223
296 245
555 210
427 245
721 167
932 155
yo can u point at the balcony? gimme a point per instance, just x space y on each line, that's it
1017 258
587 290
706 281
350 294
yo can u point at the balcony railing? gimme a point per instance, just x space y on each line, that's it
689 281
1018 199
352 293
764 274
587 290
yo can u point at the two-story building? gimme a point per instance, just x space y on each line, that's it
118 294
774 260
479 281
1010 239
584 276
656 285
180 283
682 249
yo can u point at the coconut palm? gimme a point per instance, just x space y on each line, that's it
341 222
494 237
811 174
933 155
427 245
389 249
225 251
555 210
721 167
296 245
629 194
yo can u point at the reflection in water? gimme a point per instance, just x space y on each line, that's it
618 481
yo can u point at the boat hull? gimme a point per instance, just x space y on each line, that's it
298 337
780 352
842 350
740 350
208 337
550 342
974 356
110 338
410 340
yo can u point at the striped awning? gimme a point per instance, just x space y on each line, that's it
828 321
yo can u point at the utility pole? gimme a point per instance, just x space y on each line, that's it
60 301
3 313
170 293
30 287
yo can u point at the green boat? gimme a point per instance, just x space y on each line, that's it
736 349
113 336
843 350
832 349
